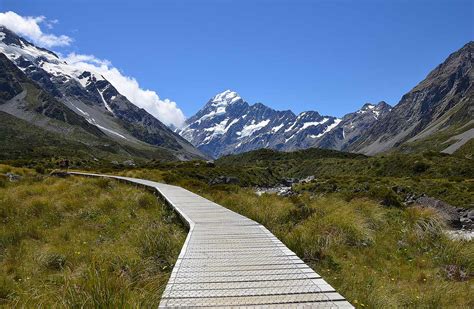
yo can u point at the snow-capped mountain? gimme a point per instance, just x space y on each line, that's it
91 96
227 124
436 115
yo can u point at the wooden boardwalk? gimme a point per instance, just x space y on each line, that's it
229 260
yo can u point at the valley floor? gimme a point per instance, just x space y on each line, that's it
84 240
374 255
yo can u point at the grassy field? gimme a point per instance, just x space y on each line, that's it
376 256
79 242
349 225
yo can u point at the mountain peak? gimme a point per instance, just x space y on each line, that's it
226 97
383 105
367 107
10 38
379 106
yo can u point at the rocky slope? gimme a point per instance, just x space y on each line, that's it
34 124
227 124
437 114
91 98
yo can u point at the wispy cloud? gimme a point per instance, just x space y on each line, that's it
165 110
29 26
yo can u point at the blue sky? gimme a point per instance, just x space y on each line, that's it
329 56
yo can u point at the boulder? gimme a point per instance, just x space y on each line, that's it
307 179
288 182
128 163
13 177
456 217
228 180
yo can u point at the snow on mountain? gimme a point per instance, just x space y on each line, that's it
22 52
227 124
352 126
440 103
90 95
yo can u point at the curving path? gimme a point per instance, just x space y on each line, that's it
229 260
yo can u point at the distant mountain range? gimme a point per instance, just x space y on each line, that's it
51 108
435 115
82 107
227 124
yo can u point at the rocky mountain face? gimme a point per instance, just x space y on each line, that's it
354 126
437 114
89 96
38 87
23 98
227 124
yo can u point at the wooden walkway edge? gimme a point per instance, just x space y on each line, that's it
229 260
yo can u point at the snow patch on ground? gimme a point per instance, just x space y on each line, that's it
47 62
376 114
93 122
287 139
292 126
218 128
110 131
81 111
220 103
101 93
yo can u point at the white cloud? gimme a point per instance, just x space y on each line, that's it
29 26
165 110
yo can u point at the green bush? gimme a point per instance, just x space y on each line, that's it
420 167
386 196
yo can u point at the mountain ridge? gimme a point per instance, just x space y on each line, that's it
227 124
435 115
449 85
93 98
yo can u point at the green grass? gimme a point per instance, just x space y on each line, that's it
446 177
79 242
29 145
348 224
376 256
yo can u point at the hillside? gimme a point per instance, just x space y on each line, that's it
435 115
53 88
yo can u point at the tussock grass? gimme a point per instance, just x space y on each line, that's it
377 256
82 242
